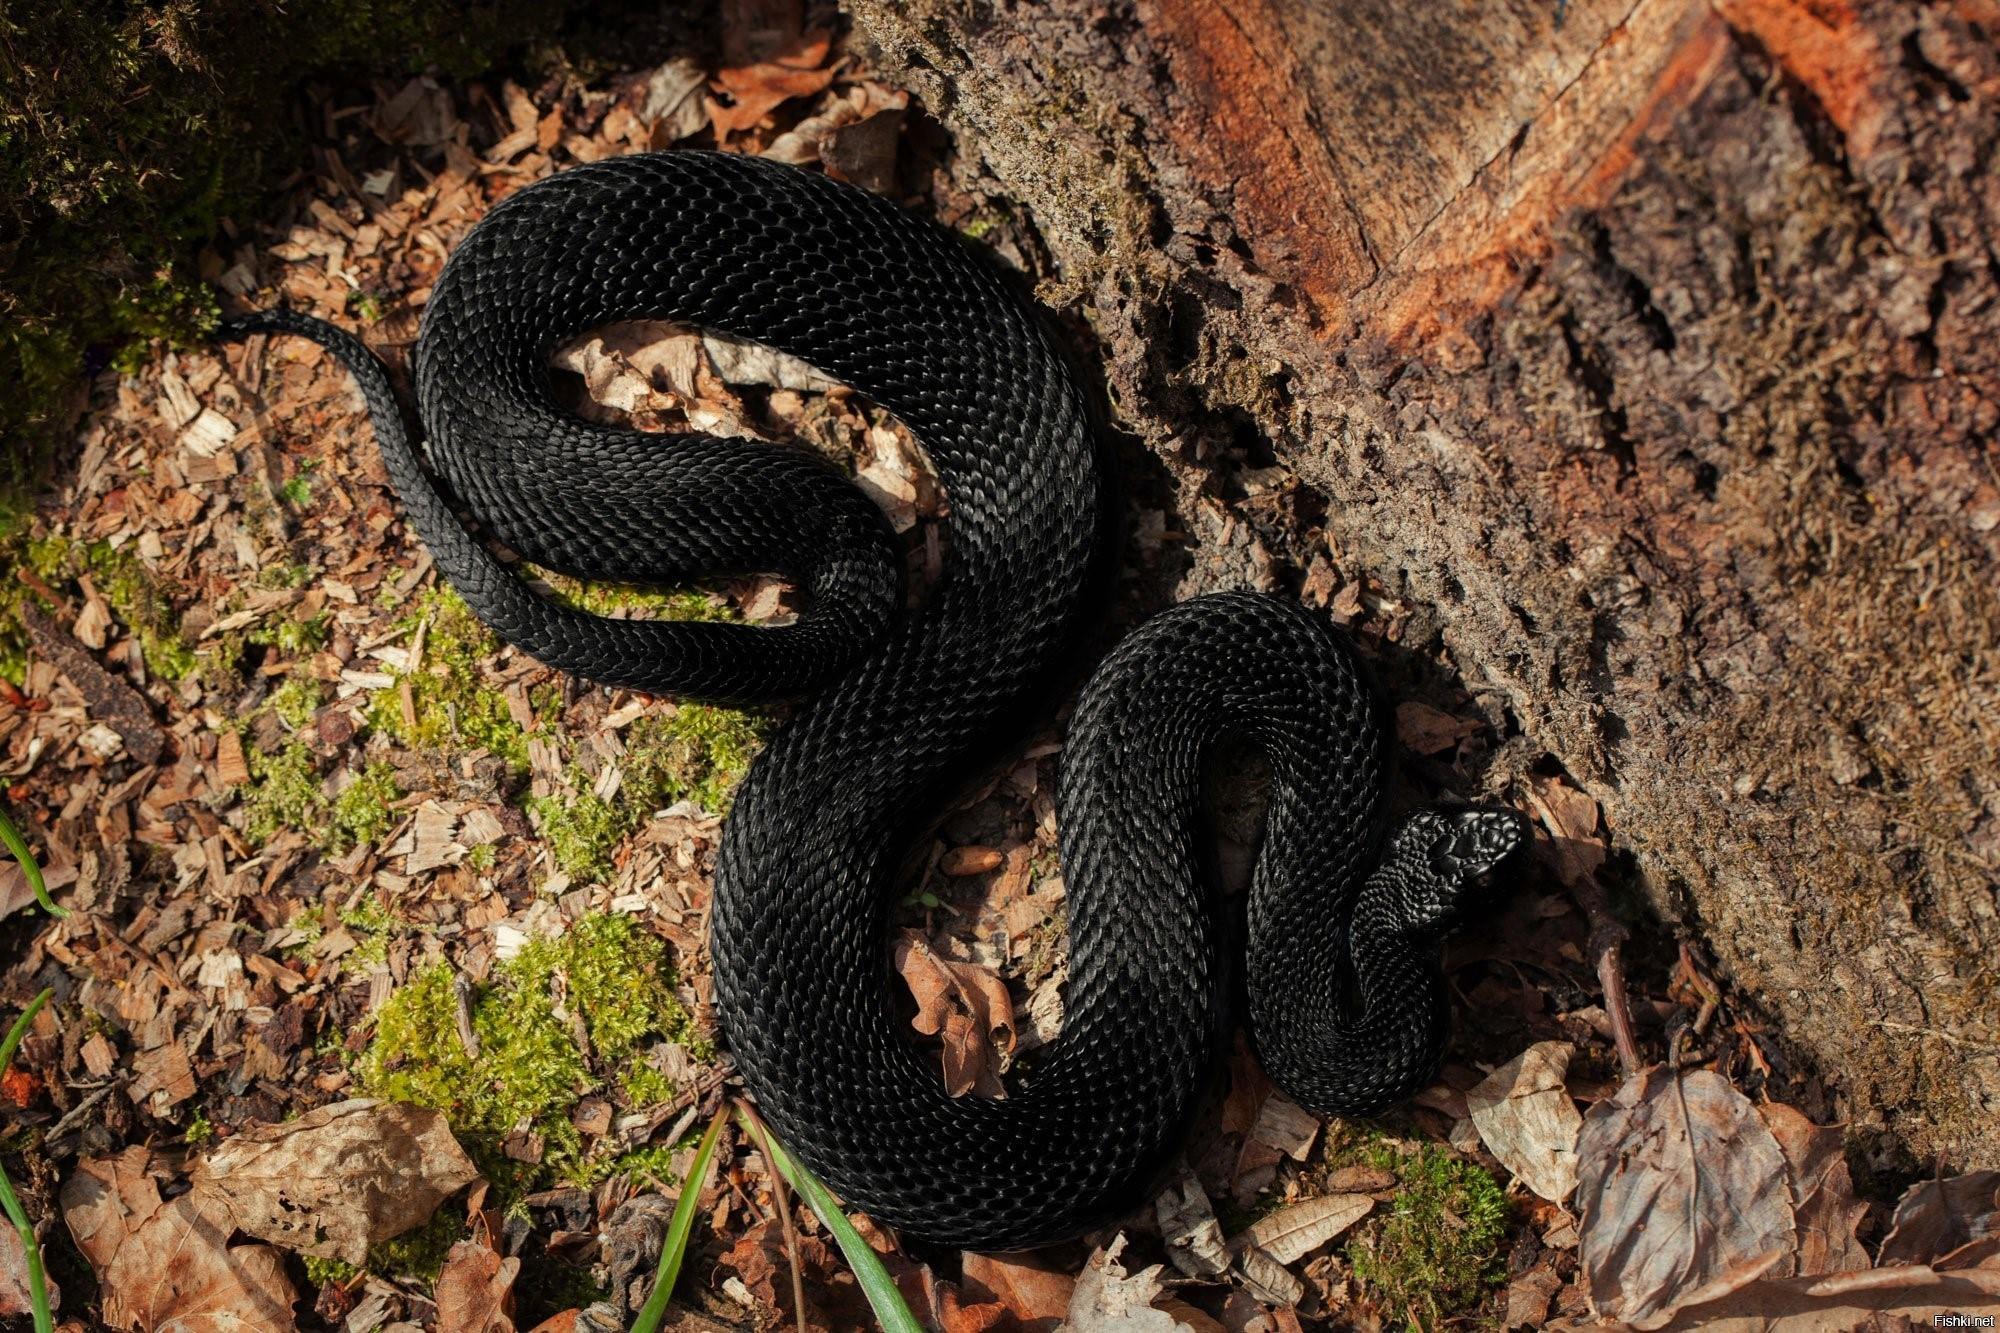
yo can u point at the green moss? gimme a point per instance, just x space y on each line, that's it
531 1070
418 1254
580 828
454 706
361 813
199 1129
295 637
374 925
1437 1253
324 1272
604 598
141 601
296 701
283 792
697 753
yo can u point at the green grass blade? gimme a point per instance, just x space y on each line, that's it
38 1286
18 845
678 1231
883 1296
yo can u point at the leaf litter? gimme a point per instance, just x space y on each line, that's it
280 783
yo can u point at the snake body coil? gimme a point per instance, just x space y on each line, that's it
1345 999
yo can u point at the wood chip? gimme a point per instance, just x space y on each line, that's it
231 768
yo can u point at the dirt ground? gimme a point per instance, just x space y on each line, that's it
323 839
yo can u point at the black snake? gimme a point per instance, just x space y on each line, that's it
1345 998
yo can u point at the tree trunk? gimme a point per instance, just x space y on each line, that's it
1653 344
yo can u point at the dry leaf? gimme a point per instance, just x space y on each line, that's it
1107 1300
1427 730
1902 1296
14 1297
1572 817
1935 1217
1188 1226
1528 1120
475 1289
1295 1231
167 1267
757 90
1036 1294
339 1179
1681 1187
1528 1297
968 1007
1823 1199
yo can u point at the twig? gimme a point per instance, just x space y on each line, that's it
779 1191
1607 933
31 1245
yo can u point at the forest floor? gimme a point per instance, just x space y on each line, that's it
324 839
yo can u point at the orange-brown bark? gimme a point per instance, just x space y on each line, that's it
1654 347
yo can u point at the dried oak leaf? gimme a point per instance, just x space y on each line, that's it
168 1267
757 90
1109 1300
1036 1294
339 1179
1936 1217
965 1005
1898 1296
1683 1191
1528 1120
475 1289
14 1295
1823 1199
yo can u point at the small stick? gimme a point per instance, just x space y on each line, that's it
778 1191
1606 935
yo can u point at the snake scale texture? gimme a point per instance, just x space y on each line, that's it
1345 1000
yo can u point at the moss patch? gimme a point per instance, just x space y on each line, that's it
361 812
604 598
697 753
1437 1252
454 706
606 976
284 791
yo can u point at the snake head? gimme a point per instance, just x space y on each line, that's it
1438 856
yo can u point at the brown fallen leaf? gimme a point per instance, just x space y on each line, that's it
1936 1217
168 1266
1899 1296
1188 1227
1826 1210
1527 1119
968 1007
475 1289
1579 852
1427 730
14 1296
970 860
1528 1297
339 1179
1296 1230
1109 1300
757 90
1681 1187
1035 1293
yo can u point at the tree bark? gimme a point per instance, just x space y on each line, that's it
1655 345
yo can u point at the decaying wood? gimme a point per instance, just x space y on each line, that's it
1653 344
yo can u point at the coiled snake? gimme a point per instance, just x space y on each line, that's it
1345 998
